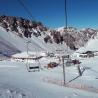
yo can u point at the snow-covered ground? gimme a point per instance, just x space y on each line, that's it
17 82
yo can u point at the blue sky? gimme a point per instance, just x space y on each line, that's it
81 13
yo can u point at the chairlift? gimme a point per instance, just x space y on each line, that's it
30 66
33 68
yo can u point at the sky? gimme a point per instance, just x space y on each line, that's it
81 13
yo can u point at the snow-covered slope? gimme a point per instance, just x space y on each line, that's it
92 45
17 42
7 48
20 44
17 82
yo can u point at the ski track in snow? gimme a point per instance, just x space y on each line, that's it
7 91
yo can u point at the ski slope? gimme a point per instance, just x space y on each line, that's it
18 42
16 81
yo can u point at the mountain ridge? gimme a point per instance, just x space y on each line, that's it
43 37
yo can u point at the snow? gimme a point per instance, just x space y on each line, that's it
24 54
16 81
18 42
91 46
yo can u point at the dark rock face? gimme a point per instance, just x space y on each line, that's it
22 27
76 39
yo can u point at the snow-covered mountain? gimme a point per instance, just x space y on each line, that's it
78 37
15 32
18 34
90 46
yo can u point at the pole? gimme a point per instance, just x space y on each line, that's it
27 57
28 42
27 65
63 71
65 9
66 23
27 48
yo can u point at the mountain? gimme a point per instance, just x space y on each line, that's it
91 45
78 38
16 32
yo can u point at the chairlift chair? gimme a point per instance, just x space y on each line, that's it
30 66
33 68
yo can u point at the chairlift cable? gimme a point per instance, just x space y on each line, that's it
26 8
66 23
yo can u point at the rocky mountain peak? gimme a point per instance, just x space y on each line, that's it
70 36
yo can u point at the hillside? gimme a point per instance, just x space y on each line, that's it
90 46
15 32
